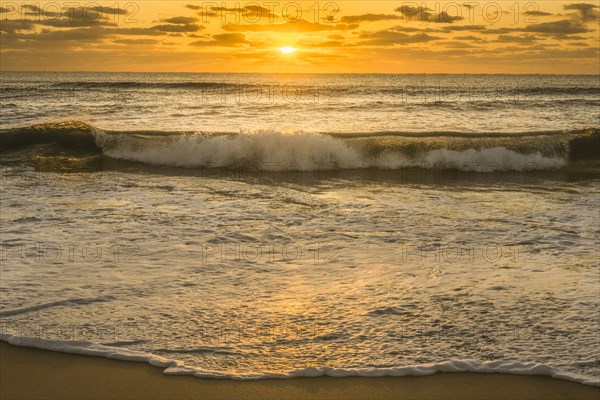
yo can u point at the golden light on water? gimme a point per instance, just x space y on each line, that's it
287 49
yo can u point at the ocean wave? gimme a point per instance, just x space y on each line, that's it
202 85
409 88
174 367
278 151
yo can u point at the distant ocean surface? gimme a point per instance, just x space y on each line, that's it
250 226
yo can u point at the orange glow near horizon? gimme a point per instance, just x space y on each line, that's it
343 36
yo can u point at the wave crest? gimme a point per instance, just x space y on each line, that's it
277 151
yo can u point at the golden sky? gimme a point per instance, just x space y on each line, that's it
338 36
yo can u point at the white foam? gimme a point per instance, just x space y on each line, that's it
481 160
266 150
306 152
173 367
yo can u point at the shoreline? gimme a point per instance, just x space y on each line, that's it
28 373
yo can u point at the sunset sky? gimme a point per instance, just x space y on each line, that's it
342 36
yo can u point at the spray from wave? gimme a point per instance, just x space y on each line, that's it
277 151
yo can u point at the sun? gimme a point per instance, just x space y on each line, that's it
287 49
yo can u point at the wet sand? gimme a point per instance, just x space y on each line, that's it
27 373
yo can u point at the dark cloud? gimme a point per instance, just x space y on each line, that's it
537 13
391 37
136 41
458 45
32 9
180 20
455 28
467 38
69 11
69 36
527 39
578 44
584 12
368 18
12 26
445 18
19 35
177 28
425 14
133 32
412 29
109 10
71 17
248 12
559 29
416 12
223 40
75 22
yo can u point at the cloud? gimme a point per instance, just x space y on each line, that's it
527 39
390 37
75 22
69 17
369 18
469 38
300 25
458 45
178 24
454 28
444 17
584 12
83 13
12 26
69 37
223 40
537 13
32 9
177 28
251 13
16 38
559 29
133 32
110 10
425 14
579 44
180 20
136 41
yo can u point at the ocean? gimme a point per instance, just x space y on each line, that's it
252 226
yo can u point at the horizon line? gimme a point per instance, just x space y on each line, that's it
297 73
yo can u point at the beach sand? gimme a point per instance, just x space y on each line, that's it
27 373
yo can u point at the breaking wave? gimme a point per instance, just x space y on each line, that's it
272 150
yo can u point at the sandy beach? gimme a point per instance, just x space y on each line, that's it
38 374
